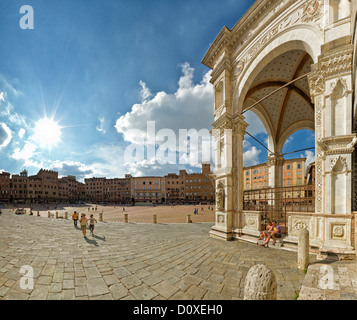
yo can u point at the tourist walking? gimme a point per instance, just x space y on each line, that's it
75 218
84 222
92 221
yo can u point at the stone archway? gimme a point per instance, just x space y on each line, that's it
275 43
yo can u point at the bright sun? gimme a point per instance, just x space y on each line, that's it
47 133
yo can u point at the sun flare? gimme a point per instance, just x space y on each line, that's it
47 133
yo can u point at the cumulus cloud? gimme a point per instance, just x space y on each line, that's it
5 135
251 157
72 168
191 106
25 153
161 122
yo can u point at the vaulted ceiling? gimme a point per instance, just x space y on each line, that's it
290 105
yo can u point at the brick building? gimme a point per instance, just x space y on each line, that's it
108 190
200 187
47 187
5 186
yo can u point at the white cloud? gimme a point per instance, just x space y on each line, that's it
2 96
191 106
22 133
154 120
310 157
251 157
72 168
26 153
101 127
5 135
145 92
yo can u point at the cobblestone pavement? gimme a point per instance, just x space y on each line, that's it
131 261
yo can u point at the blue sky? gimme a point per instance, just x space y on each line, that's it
100 70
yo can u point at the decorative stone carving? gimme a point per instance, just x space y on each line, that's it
337 145
337 63
251 221
297 223
334 88
220 219
275 159
317 84
343 161
338 232
220 196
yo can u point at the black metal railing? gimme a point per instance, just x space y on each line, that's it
275 203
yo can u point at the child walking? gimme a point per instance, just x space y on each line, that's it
83 222
75 218
91 223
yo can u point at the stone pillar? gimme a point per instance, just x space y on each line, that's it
303 249
275 163
49 214
331 89
239 130
126 219
260 284
101 216
229 177
188 219
154 219
56 214
66 215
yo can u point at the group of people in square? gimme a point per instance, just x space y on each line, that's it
84 222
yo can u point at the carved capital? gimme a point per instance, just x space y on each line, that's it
275 159
239 126
317 84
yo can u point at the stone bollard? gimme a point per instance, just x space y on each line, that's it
66 215
260 284
126 219
303 249
49 214
101 216
56 215
154 217
188 219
